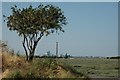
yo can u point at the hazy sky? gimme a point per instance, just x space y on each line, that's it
92 29
0 20
60 0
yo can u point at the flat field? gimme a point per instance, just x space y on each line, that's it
94 67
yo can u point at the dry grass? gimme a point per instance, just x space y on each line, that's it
14 66
11 63
0 65
0 60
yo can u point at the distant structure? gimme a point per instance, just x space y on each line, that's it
56 49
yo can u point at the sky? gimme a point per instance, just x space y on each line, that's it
60 0
92 29
0 20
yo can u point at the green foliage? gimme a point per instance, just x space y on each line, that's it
44 18
4 46
41 64
31 74
66 56
18 53
50 63
16 74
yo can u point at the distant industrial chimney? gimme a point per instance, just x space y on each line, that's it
56 49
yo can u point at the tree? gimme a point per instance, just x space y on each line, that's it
66 56
3 46
34 23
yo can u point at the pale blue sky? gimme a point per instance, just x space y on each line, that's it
92 30
0 20
60 0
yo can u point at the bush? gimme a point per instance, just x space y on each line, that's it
49 62
30 74
16 74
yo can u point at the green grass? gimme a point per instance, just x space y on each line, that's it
98 67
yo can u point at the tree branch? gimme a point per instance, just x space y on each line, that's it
41 34
27 42
36 42
25 47
31 41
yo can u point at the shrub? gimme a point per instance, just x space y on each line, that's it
16 74
49 62
30 74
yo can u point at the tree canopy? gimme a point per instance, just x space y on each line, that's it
47 19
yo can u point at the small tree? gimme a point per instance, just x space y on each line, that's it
3 46
33 23
66 56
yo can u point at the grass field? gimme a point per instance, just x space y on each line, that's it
17 66
94 67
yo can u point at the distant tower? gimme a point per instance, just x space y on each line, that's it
56 49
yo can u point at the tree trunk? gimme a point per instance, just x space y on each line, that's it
25 49
27 58
31 56
30 47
